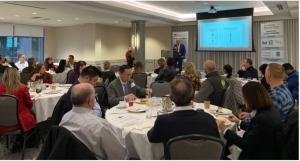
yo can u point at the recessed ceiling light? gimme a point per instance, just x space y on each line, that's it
34 13
2 18
116 21
59 20
17 15
76 18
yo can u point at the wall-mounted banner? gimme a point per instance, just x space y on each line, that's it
272 43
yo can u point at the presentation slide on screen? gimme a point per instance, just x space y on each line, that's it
225 34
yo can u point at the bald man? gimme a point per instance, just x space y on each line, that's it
93 131
214 87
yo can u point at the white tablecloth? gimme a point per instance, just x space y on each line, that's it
44 102
132 129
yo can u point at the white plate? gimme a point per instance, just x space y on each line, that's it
224 111
137 108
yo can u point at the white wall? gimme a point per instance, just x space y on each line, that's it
156 39
111 42
96 43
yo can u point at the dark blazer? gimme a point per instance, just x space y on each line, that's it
167 74
181 123
250 72
116 93
61 144
263 137
182 50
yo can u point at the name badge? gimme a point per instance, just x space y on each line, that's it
132 85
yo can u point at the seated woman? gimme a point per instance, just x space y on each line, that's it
161 65
49 64
11 85
262 138
73 75
262 69
190 72
38 73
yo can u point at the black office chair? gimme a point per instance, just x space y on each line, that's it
160 88
102 98
10 117
194 147
140 79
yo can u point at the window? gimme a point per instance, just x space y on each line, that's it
30 46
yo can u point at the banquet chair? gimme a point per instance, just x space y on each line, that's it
9 117
160 88
1 77
194 147
140 79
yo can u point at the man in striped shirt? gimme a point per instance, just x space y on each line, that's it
281 96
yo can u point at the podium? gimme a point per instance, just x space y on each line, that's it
170 54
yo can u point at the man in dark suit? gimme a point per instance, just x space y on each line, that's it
247 70
180 49
124 88
185 120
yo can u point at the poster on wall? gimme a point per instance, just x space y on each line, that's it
272 43
183 36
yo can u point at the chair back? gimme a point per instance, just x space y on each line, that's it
102 96
140 79
8 110
24 77
160 88
194 147
115 68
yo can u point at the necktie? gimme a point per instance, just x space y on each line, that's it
125 89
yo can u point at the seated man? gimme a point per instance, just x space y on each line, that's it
22 63
31 66
168 73
92 131
247 70
185 120
90 75
107 73
214 87
123 88
292 80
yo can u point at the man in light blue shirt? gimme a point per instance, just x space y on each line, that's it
21 64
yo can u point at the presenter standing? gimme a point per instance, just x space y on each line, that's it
180 49
129 57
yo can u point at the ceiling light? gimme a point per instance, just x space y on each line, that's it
205 3
17 15
34 13
212 10
59 20
76 18
2 18
43 22
116 21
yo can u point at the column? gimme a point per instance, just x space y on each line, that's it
138 40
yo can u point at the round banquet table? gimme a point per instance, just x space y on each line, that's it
44 102
132 128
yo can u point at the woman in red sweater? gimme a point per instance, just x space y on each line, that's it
11 85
